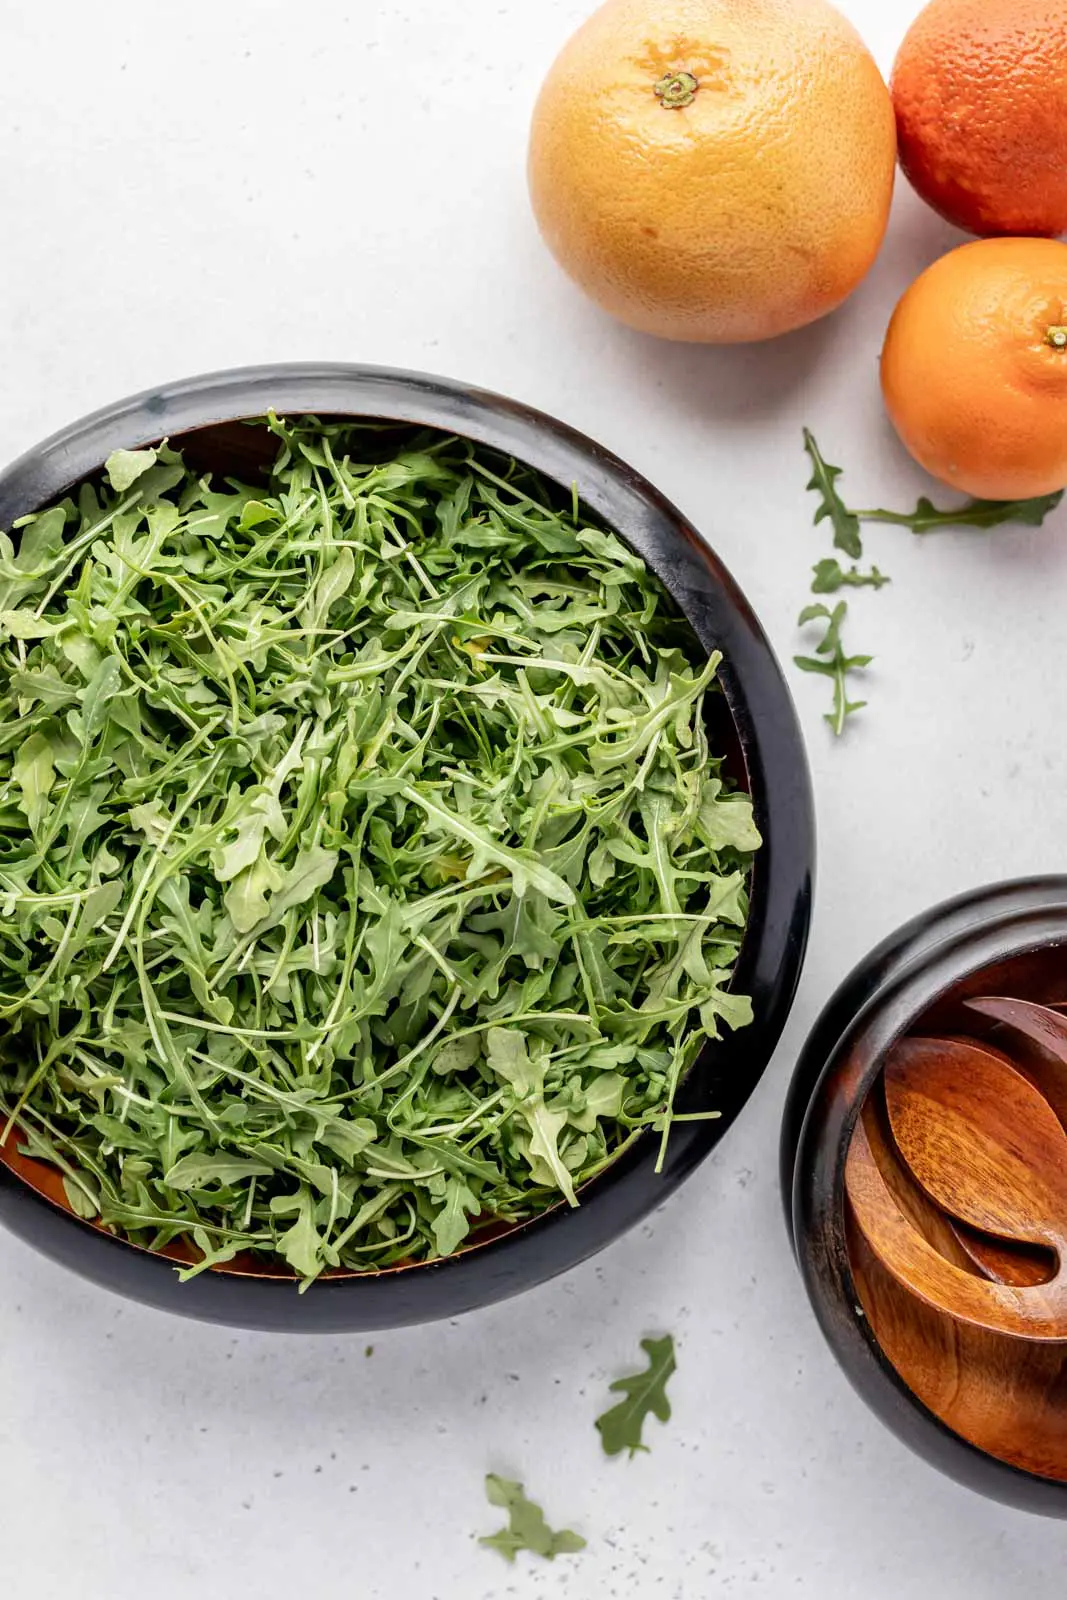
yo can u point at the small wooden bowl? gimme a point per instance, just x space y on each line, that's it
756 729
988 1410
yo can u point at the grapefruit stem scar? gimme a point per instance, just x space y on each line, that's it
1057 338
677 89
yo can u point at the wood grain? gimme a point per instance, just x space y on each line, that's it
980 1138
1035 1312
956 1224
1006 1396
998 1259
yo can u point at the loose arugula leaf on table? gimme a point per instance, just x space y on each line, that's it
823 481
527 1528
927 518
829 576
365 871
646 1395
830 661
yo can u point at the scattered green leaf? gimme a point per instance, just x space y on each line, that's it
646 1394
526 1528
844 522
830 576
927 518
830 661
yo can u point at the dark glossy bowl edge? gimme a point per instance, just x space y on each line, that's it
774 757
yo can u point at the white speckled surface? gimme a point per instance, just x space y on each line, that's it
195 187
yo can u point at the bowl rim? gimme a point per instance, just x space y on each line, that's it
772 750
881 998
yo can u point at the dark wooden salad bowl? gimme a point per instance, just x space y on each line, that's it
756 728
986 1407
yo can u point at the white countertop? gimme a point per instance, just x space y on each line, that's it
193 187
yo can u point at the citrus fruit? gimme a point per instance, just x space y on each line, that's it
714 170
974 369
980 92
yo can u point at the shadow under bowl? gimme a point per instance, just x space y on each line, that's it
755 728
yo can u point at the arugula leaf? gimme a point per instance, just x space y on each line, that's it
300 1244
646 1394
726 821
525 869
451 1225
526 1528
823 481
509 1059
366 875
831 642
927 518
33 771
195 1171
830 576
123 467
830 661
81 1197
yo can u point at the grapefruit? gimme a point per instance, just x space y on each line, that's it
714 170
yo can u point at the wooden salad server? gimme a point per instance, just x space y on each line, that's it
986 1147
1002 1261
947 1235
1040 1035
1007 1396
998 1259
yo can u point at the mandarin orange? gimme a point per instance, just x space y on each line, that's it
974 369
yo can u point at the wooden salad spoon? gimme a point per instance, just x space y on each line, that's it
937 1228
998 1259
1002 1260
1041 1031
989 1236
1007 1396
1045 1026
986 1148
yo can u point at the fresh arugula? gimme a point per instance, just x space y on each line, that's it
927 518
365 872
831 661
828 577
823 481
646 1394
526 1528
